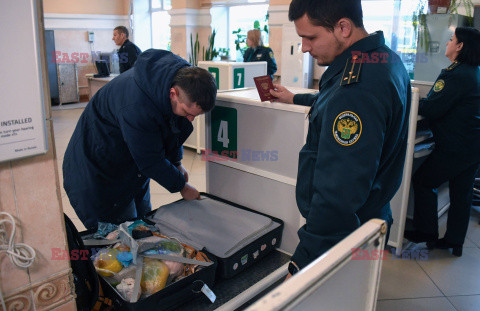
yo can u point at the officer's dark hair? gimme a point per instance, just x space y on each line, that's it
470 52
198 84
327 13
122 29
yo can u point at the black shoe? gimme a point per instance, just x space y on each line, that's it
419 237
457 249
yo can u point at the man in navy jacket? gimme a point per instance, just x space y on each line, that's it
128 51
133 130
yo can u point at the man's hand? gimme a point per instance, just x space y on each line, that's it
283 95
183 171
189 192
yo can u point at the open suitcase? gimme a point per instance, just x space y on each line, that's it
254 235
250 235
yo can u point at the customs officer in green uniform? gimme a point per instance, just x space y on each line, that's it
256 52
452 108
351 165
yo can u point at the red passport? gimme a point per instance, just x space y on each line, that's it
264 85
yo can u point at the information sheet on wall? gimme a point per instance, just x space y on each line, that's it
22 112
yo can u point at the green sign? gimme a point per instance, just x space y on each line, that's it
216 74
224 131
238 78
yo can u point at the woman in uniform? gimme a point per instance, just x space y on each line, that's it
256 52
452 109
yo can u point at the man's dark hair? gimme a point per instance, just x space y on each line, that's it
122 29
327 13
198 84
470 52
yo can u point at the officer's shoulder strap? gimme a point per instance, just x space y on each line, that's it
452 66
351 73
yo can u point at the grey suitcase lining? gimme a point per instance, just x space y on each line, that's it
221 228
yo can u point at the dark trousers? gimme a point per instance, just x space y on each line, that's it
136 208
436 170
90 211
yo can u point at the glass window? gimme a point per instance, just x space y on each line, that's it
160 24
394 18
156 4
161 30
229 18
167 4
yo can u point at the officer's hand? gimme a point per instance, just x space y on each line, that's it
189 192
283 95
183 171
288 276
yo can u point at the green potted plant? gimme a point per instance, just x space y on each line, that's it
240 41
224 53
467 4
194 50
419 17
208 54
211 52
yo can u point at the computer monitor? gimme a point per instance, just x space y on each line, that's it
106 57
102 69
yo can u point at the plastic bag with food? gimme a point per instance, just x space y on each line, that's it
154 276
106 262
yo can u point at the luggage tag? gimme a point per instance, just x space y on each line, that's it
205 290
208 292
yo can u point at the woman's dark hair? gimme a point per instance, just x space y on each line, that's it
327 13
470 52
198 84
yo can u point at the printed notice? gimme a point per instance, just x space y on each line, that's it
21 137
22 107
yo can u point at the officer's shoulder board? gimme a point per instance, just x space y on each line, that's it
351 73
452 66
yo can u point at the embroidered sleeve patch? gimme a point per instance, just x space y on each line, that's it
270 54
347 128
439 85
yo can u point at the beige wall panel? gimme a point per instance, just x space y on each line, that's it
38 201
109 7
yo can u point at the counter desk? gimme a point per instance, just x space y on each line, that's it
252 152
228 76
94 84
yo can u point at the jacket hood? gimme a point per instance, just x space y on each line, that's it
154 71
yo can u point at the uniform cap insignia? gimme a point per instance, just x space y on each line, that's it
347 128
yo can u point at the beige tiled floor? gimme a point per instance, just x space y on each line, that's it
442 282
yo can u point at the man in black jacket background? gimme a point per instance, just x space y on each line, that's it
128 51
